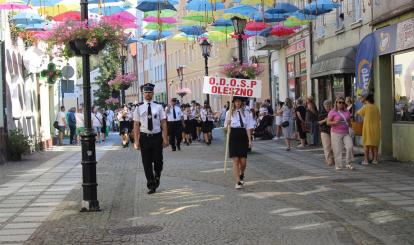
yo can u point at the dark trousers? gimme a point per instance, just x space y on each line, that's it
174 133
151 153
194 129
72 130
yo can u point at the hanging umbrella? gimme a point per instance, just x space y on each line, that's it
145 6
319 7
57 9
156 35
294 22
153 19
302 16
102 1
33 27
215 36
268 18
199 18
204 5
156 26
192 30
27 18
13 1
257 2
245 10
265 32
124 16
255 26
222 22
39 3
163 13
182 37
13 6
70 15
224 29
109 10
282 8
280 30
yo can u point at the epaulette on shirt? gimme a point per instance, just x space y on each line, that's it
140 103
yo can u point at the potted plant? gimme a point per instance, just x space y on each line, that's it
112 102
183 92
122 82
17 144
77 38
246 71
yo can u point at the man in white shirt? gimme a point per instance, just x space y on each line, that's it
61 119
151 136
175 124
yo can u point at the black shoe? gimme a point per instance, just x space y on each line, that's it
174 149
157 181
179 147
242 179
151 191
188 144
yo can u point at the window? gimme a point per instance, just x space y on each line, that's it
340 17
320 28
357 9
404 86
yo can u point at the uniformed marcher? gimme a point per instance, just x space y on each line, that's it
240 121
207 123
175 124
150 136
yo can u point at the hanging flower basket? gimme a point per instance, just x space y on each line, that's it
80 46
245 71
183 92
122 82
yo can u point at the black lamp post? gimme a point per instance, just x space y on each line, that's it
239 24
206 50
90 201
123 56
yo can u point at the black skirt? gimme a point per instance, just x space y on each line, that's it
207 127
187 126
124 127
238 143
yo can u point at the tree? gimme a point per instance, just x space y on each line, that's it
109 64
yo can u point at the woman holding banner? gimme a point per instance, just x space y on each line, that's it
240 122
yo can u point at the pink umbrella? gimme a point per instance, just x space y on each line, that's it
280 30
124 16
154 19
255 26
13 6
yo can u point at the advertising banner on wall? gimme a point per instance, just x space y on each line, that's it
395 37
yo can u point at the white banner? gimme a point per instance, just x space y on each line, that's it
232 86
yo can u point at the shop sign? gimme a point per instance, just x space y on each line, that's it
295 48
232 86
395 38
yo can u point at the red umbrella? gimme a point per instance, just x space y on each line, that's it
70 15
13 6
255 26
280 30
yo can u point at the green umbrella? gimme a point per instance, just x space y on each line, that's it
199 18
156 26
163 13
224 29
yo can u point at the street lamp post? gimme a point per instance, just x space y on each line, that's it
123 53
90 201
206 50
239 24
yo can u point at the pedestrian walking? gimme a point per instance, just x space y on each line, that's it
72 124
188 124
339 119
371 133
240 122
175 124
80 124
207 125
104 125
326 132
61 119
287 122
150 136
97 123
198 121
278 120
312 120
301 123
124 118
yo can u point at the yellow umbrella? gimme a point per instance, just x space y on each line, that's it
256 2
181 37
216 36
57 9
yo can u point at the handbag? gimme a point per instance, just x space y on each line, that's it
357 127
284 124
56 123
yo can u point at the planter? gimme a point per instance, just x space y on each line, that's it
115 94
79 47
125 87
182 94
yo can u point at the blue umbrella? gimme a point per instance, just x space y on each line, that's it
192 30
39 3
265 32
245 10
33 27
109 10
282 8
173 2
27 18
302 16
204 5
156 35
102 1
319 7
222 22
131 40
269 17
146 6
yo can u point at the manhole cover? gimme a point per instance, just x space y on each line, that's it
350 180
136 230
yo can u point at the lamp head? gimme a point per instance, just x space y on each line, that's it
205 48
239 24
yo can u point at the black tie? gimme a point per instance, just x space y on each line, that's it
175 116
241 120
149 117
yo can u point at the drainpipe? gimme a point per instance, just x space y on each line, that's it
270 74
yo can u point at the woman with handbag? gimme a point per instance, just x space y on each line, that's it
301 122
326 133
287 122
339 119
371 134
312 120
239 120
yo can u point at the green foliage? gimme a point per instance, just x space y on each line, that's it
17 144
109 64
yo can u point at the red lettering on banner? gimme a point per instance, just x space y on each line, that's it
226 90
253 83
249 92
222 81
243 83
233 82
212 80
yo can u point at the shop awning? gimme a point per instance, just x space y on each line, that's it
338 62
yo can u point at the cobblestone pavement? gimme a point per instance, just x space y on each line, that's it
289 198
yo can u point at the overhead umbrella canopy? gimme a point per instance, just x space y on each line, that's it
109 10
282 8
151 6
70 15
245 10
13 6
199 18
215 36
268 18
192 30
57 9
27 18
222 22
164 13
319 7
204 5
255 26
39 3
156 26
156 35
257 2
